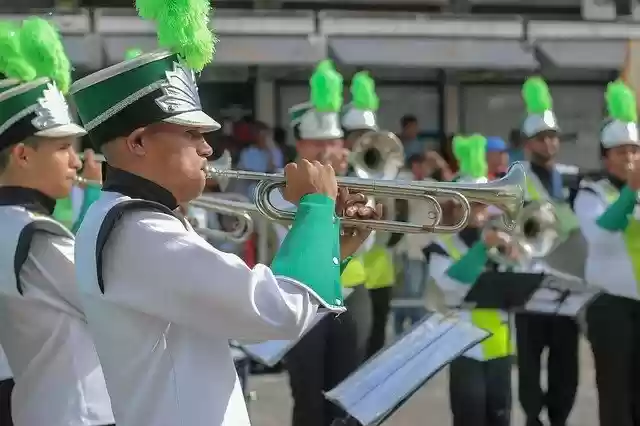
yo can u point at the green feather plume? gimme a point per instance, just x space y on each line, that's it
471 153
132 53
535 93
621 102
42 47
326 88
183 28
12 63
363 92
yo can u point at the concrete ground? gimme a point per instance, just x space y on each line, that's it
428 407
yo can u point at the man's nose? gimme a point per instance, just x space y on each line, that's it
74 160
205 149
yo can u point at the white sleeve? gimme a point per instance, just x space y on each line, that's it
48 274
588 208
454 291
151 263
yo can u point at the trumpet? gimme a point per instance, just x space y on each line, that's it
507 194
241 210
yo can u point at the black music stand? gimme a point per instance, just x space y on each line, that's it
540 293
378 388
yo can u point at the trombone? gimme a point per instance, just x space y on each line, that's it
241 210
507 194
537 233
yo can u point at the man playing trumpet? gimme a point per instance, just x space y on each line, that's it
160 320
479 380
609 219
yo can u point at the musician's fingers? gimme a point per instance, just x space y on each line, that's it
366 212
379 211
356 198
351 211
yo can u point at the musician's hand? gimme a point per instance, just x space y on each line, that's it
353 206
91 169
304 178
633 176
495 239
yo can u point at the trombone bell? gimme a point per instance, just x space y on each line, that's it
377 155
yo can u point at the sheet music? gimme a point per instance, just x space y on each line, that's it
385 382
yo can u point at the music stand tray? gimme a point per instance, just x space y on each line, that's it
378 388
537 293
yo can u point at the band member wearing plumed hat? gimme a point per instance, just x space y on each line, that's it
479 380
58 375
609 219
374 267
546 182
161 321
6 377
330 351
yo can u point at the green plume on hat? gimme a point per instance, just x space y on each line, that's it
536 95
183 28
621 102
326 88
12 62
471 153
134 52
42 47
363 92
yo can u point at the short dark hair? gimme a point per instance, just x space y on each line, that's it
5 154
408 119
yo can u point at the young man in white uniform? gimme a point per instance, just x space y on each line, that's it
43 329
534 333
161 302
608 214
480 379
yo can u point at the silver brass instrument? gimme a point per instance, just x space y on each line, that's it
507 194
377 155
536 234
239 209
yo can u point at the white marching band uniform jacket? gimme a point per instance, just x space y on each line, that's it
611 264
43 330
163 310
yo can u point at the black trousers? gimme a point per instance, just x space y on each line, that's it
480 392
326 355
6 386
560 336
613 327
380 306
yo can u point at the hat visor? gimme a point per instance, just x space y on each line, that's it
63 131
197 119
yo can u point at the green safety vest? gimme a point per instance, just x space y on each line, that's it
498 345
567 219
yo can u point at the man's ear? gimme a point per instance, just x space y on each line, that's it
20 154
135 143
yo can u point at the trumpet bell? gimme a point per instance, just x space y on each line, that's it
377 155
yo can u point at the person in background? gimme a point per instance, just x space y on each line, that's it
280 138
415 264
333 348
480 379
263 155
516 151
359 118
607 209
409 136
497 157
537 332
